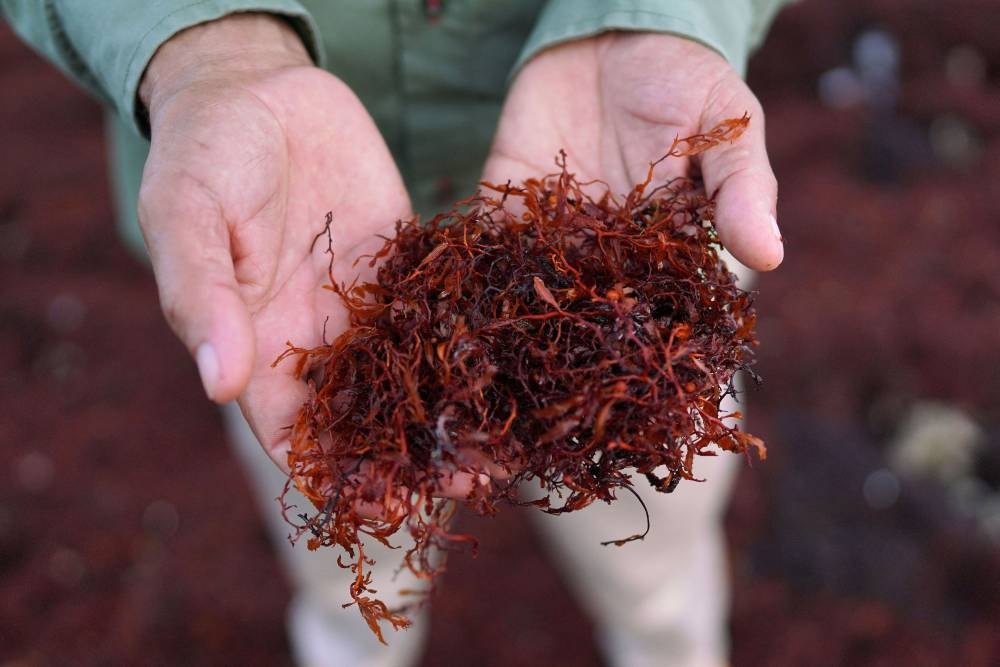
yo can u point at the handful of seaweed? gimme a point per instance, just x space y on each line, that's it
567 339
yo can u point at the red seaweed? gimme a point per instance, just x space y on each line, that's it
568 339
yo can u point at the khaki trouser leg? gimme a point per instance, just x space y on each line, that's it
662 601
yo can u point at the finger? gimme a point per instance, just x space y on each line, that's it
461 485
189 248
391 506
479 461
740 176
270 404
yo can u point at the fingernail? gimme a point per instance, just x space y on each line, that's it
775 230
208 366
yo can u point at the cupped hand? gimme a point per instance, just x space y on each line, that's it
615 103
251 146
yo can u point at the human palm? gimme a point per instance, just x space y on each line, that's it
615 103
240 176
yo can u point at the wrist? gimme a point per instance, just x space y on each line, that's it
235 45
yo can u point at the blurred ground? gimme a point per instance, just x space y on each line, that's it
127 534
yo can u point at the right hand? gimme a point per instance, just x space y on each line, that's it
251 146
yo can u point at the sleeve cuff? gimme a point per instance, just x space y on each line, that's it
158 27
722 25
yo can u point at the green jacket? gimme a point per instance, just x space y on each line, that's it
432 74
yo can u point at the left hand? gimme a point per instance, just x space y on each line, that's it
615 103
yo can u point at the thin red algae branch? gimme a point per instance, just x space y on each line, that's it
580 344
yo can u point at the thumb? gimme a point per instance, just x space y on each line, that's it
189 246
740 176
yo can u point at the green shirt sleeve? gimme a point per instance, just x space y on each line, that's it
105 46
732 27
